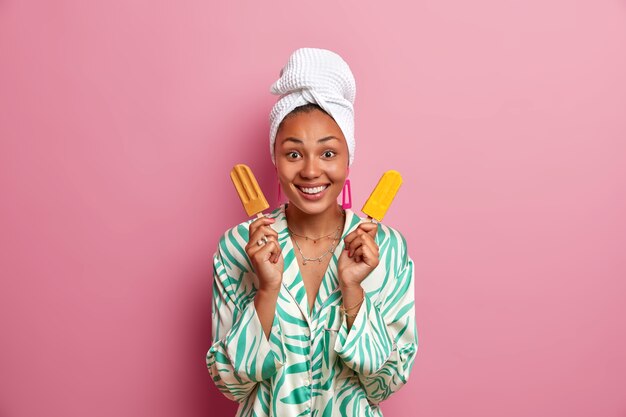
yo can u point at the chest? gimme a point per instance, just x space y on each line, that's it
313 260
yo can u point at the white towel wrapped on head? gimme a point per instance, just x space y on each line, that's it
317 76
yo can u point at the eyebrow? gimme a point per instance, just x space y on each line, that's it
322 140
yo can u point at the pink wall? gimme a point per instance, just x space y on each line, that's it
119 121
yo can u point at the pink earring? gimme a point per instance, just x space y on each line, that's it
346 195
278 198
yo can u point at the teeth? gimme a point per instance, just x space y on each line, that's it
314 190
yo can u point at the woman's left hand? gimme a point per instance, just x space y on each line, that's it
360 255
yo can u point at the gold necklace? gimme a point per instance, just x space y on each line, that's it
333 245
306 259
312 238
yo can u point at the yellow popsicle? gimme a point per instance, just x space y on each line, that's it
250 193
379 201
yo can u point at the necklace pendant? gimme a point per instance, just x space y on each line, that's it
304 262
314 240
319 261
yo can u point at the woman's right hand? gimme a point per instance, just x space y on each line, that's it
267 259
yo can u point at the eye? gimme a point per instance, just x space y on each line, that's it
292 155
329 154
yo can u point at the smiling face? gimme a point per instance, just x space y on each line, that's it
311 160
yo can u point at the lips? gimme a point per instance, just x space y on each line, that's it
312 192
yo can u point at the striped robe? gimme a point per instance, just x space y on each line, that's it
312 365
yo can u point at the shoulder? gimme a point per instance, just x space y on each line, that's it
391 240
394 256
235 238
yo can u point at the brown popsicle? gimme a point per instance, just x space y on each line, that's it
248 189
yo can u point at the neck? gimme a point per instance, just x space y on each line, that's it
314 225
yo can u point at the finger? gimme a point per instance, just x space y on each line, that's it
353 236
368 227
372 230
362 238
369 238
269 250
370 255
262 221
372 247
347 245
268 231
350 237
254 248
351 241
354 245
277 255
365 254
370 243
358 255
260 233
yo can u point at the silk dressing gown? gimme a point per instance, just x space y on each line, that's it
312 365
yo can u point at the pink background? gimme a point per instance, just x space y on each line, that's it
119 122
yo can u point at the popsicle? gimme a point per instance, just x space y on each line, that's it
379 201
250 193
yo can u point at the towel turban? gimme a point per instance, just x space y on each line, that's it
318 76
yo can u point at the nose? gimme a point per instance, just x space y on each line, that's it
311 168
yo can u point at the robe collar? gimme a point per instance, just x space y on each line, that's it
292 279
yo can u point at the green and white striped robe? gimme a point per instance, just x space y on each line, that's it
311 364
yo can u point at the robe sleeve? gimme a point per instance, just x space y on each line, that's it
382 342
240 356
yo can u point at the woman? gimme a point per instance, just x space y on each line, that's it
313 307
